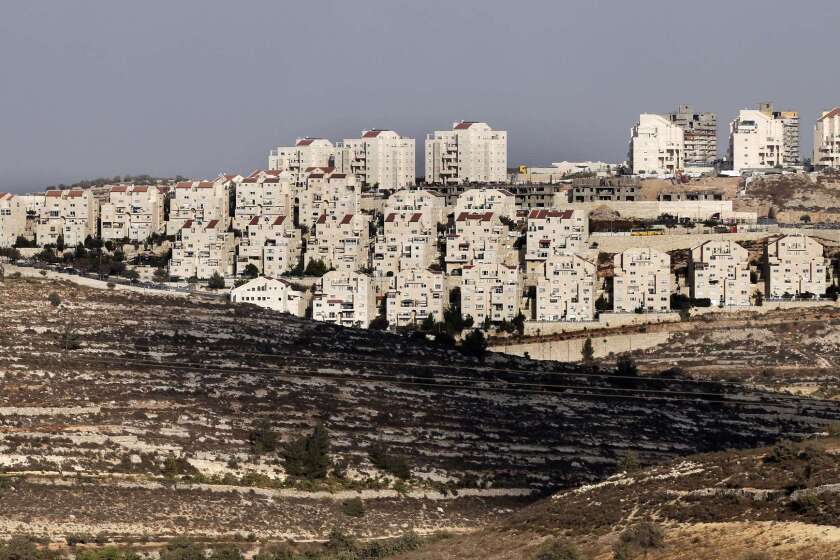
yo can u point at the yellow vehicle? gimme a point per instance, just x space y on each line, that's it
644 232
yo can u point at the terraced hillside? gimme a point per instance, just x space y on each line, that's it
113 399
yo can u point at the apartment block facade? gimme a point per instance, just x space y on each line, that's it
71 214
498 201
340 242
133 212
763 138
380 158
418 200
470 152
271 243
699 135
202 250
263 193
478 237
554 232
720 272
827 140
642 281
345 298
408 241
324 191
201 202
490 291
12 219
416 294
657 146
306 153
567 290
271 293
795 265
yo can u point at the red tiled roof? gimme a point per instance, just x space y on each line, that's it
416 217
187 225
53 193
347 219
391 217
119 189
204 185
371 133
833 113
304 141
75 194
163 189
541 214
322 219
484 217
338 176
140 189
463 125
184 185
279 221
6 196
322 169
334 301
212 224
254 221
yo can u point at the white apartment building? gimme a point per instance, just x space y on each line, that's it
202 250
416 294
408 241
340 242
471 152
72 215
554 232
263 193
490 291
567 290
201 202
306 153
271 293
499 201
657 147
827 139
271 243
794 265
345 298
763 139
133 212
642 281
380 158
324 191
12 219
418 200
479 237
720 271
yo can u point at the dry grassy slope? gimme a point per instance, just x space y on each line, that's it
784 501
87 431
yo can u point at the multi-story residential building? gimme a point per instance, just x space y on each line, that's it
201 202
416 293
762 138
72 215
490 291
380 158
271 293
720 272
324 191
12 219
827 139
567 290
306 153
345 298
527 196
657 147
794 265
478 237
498 201
470 152
554 232
340 242
202 250
408 241
690 196
263 193
271 243
642 281
610 189
133 212
418 200
699 135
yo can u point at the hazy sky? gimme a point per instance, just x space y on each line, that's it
194 87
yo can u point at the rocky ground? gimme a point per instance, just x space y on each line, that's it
135 415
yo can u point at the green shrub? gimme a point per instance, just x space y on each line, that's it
54 299
353 507
308 456
383 459
639 538
558 550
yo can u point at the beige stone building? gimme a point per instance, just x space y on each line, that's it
263 193
657 146
554 232
763 138
416 294
306 153
720 271
471 152
345 298
499 201
478 237
567 291
12 219
642 281
408 241
491 291
795 265
324 191
380 158
202 250
827 139
201 202
133 212
71 214
340 242
271 243
418 200
271 293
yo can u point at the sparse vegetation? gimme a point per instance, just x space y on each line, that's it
308 456
558 550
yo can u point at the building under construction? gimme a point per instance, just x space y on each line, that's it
699 133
